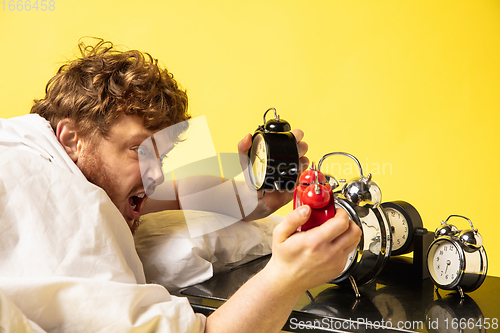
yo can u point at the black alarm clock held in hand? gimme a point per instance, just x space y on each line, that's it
273 156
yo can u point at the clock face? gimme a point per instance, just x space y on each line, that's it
366 261
445 266
258 161
352 258
399 228
404 221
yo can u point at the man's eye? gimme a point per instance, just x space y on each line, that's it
163 158
141 150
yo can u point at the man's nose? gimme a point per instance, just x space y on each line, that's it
153 174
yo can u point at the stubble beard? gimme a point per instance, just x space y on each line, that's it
93 168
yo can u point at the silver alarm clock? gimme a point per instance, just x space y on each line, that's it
361 198
456 259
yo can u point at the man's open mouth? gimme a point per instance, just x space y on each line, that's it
136 202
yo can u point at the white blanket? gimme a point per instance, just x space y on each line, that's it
67 257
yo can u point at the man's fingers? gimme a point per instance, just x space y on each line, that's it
327 232
245 144
303 148
298 134
351 237
334 227
243 147
303 164
291 222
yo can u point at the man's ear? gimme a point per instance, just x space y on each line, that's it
69 137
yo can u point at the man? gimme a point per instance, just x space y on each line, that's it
72 189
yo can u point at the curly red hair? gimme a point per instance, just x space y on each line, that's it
104 84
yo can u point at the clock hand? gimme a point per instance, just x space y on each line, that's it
448 263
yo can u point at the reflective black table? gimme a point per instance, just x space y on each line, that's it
397 301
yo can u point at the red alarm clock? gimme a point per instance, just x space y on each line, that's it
313 190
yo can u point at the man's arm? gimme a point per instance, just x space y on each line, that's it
266 204
300 261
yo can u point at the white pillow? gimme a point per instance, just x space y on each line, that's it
174 259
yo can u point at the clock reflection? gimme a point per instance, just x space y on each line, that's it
455 314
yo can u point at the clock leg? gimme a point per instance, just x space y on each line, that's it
436 289
354 286
460 291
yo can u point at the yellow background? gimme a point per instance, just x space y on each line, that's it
411 88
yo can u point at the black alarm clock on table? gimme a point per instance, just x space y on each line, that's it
404 221
273 156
